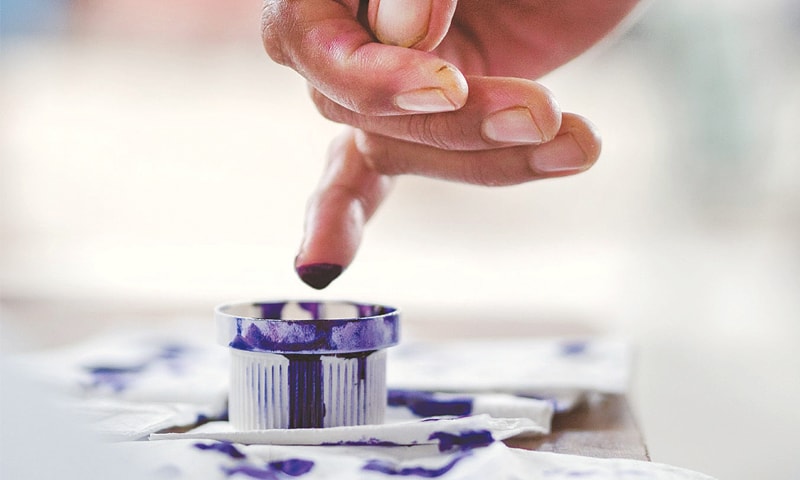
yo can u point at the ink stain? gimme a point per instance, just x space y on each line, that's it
271 309
314 336
574 348
378 329
370 442
115 378
306 387
293 467
313 308
389 468
252 472
223 447
462 441
426 404
118 378
306 400
319 275
172 351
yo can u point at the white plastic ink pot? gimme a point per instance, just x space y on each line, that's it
306 364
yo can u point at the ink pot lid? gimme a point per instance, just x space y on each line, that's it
306 327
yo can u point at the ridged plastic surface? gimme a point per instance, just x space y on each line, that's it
278 391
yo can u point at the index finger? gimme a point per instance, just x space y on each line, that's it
324 41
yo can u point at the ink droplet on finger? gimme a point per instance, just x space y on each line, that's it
319 275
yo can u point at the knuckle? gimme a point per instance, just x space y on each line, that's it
323 104
488 173
274 22
431 130
378 157
479 173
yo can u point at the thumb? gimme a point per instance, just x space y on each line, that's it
420 24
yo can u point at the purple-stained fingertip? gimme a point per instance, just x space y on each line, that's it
319 275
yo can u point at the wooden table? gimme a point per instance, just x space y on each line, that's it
603 427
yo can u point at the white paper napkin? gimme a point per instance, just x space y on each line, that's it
209 459
528 366
133 384
447 432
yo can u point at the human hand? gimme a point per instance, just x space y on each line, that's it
435 88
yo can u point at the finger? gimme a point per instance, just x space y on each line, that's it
419 24
499 112
573 150
323 41
347 196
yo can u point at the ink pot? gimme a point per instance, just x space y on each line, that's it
298 364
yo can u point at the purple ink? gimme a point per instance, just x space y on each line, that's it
271 309
223 447
172 351
370 442
260 473
576 347
118 378
319 275
462 441
426 404
306 405
293 467
306 387
115 378
390 468
237 328
313 308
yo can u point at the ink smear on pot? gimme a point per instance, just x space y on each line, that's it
306 364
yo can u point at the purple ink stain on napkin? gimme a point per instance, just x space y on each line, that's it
118 378
426 404
115 378
294 467
389 468
370 442
576 347
223 447
462 441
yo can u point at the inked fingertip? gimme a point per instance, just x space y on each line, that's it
319 275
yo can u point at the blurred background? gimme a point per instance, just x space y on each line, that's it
154 162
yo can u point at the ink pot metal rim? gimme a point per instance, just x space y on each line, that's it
306 364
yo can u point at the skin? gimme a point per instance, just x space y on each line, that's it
440 88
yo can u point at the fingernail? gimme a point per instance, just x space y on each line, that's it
402 22
319 275
561 155
424 100
514 125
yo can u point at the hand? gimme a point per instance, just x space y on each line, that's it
431 87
